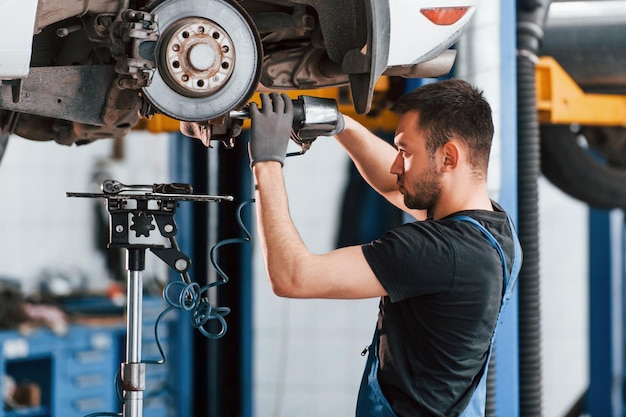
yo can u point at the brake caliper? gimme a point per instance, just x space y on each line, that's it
133 42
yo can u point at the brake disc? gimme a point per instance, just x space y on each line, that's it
208 59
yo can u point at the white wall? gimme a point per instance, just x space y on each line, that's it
563 255
41 228
479 62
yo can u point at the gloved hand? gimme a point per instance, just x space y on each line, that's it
270 128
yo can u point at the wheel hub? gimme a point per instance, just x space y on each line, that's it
199 57
208 58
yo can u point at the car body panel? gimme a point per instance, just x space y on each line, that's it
16 37
409 25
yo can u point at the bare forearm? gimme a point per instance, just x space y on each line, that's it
293 271
373 158
280 241
371 155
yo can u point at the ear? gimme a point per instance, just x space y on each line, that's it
451 154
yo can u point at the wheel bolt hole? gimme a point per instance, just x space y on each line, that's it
216 35
185 34
200 83
225 65
176 64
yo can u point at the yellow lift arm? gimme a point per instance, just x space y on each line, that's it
561 101
383 120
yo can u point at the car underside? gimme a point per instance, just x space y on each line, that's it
98 66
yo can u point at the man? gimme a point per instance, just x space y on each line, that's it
439 278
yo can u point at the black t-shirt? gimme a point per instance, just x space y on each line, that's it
444 284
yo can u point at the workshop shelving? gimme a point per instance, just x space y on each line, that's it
74 374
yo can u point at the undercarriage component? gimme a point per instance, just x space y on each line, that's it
4 141
302 67
209 59
86 95
587 39
433 68
198 57
581 102
365 66
587 163
195 61
53 11
60 99
132 45
583 138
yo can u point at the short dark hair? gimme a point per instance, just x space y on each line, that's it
450 108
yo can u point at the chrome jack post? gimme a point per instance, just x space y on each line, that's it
133 371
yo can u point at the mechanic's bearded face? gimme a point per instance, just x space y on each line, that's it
423 191
419 178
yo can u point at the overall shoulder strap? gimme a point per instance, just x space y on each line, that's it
496 245
476 407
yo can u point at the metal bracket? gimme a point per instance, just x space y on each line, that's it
133 216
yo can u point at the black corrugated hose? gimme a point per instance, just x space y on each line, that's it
530 20
528 226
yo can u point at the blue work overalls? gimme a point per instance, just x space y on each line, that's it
371 401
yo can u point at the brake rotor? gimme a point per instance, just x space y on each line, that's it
208 59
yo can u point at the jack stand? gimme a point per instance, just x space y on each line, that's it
138 217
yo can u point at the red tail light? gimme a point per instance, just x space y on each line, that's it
444 16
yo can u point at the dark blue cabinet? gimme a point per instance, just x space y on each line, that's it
73 375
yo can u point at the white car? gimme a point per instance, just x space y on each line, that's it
75 71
